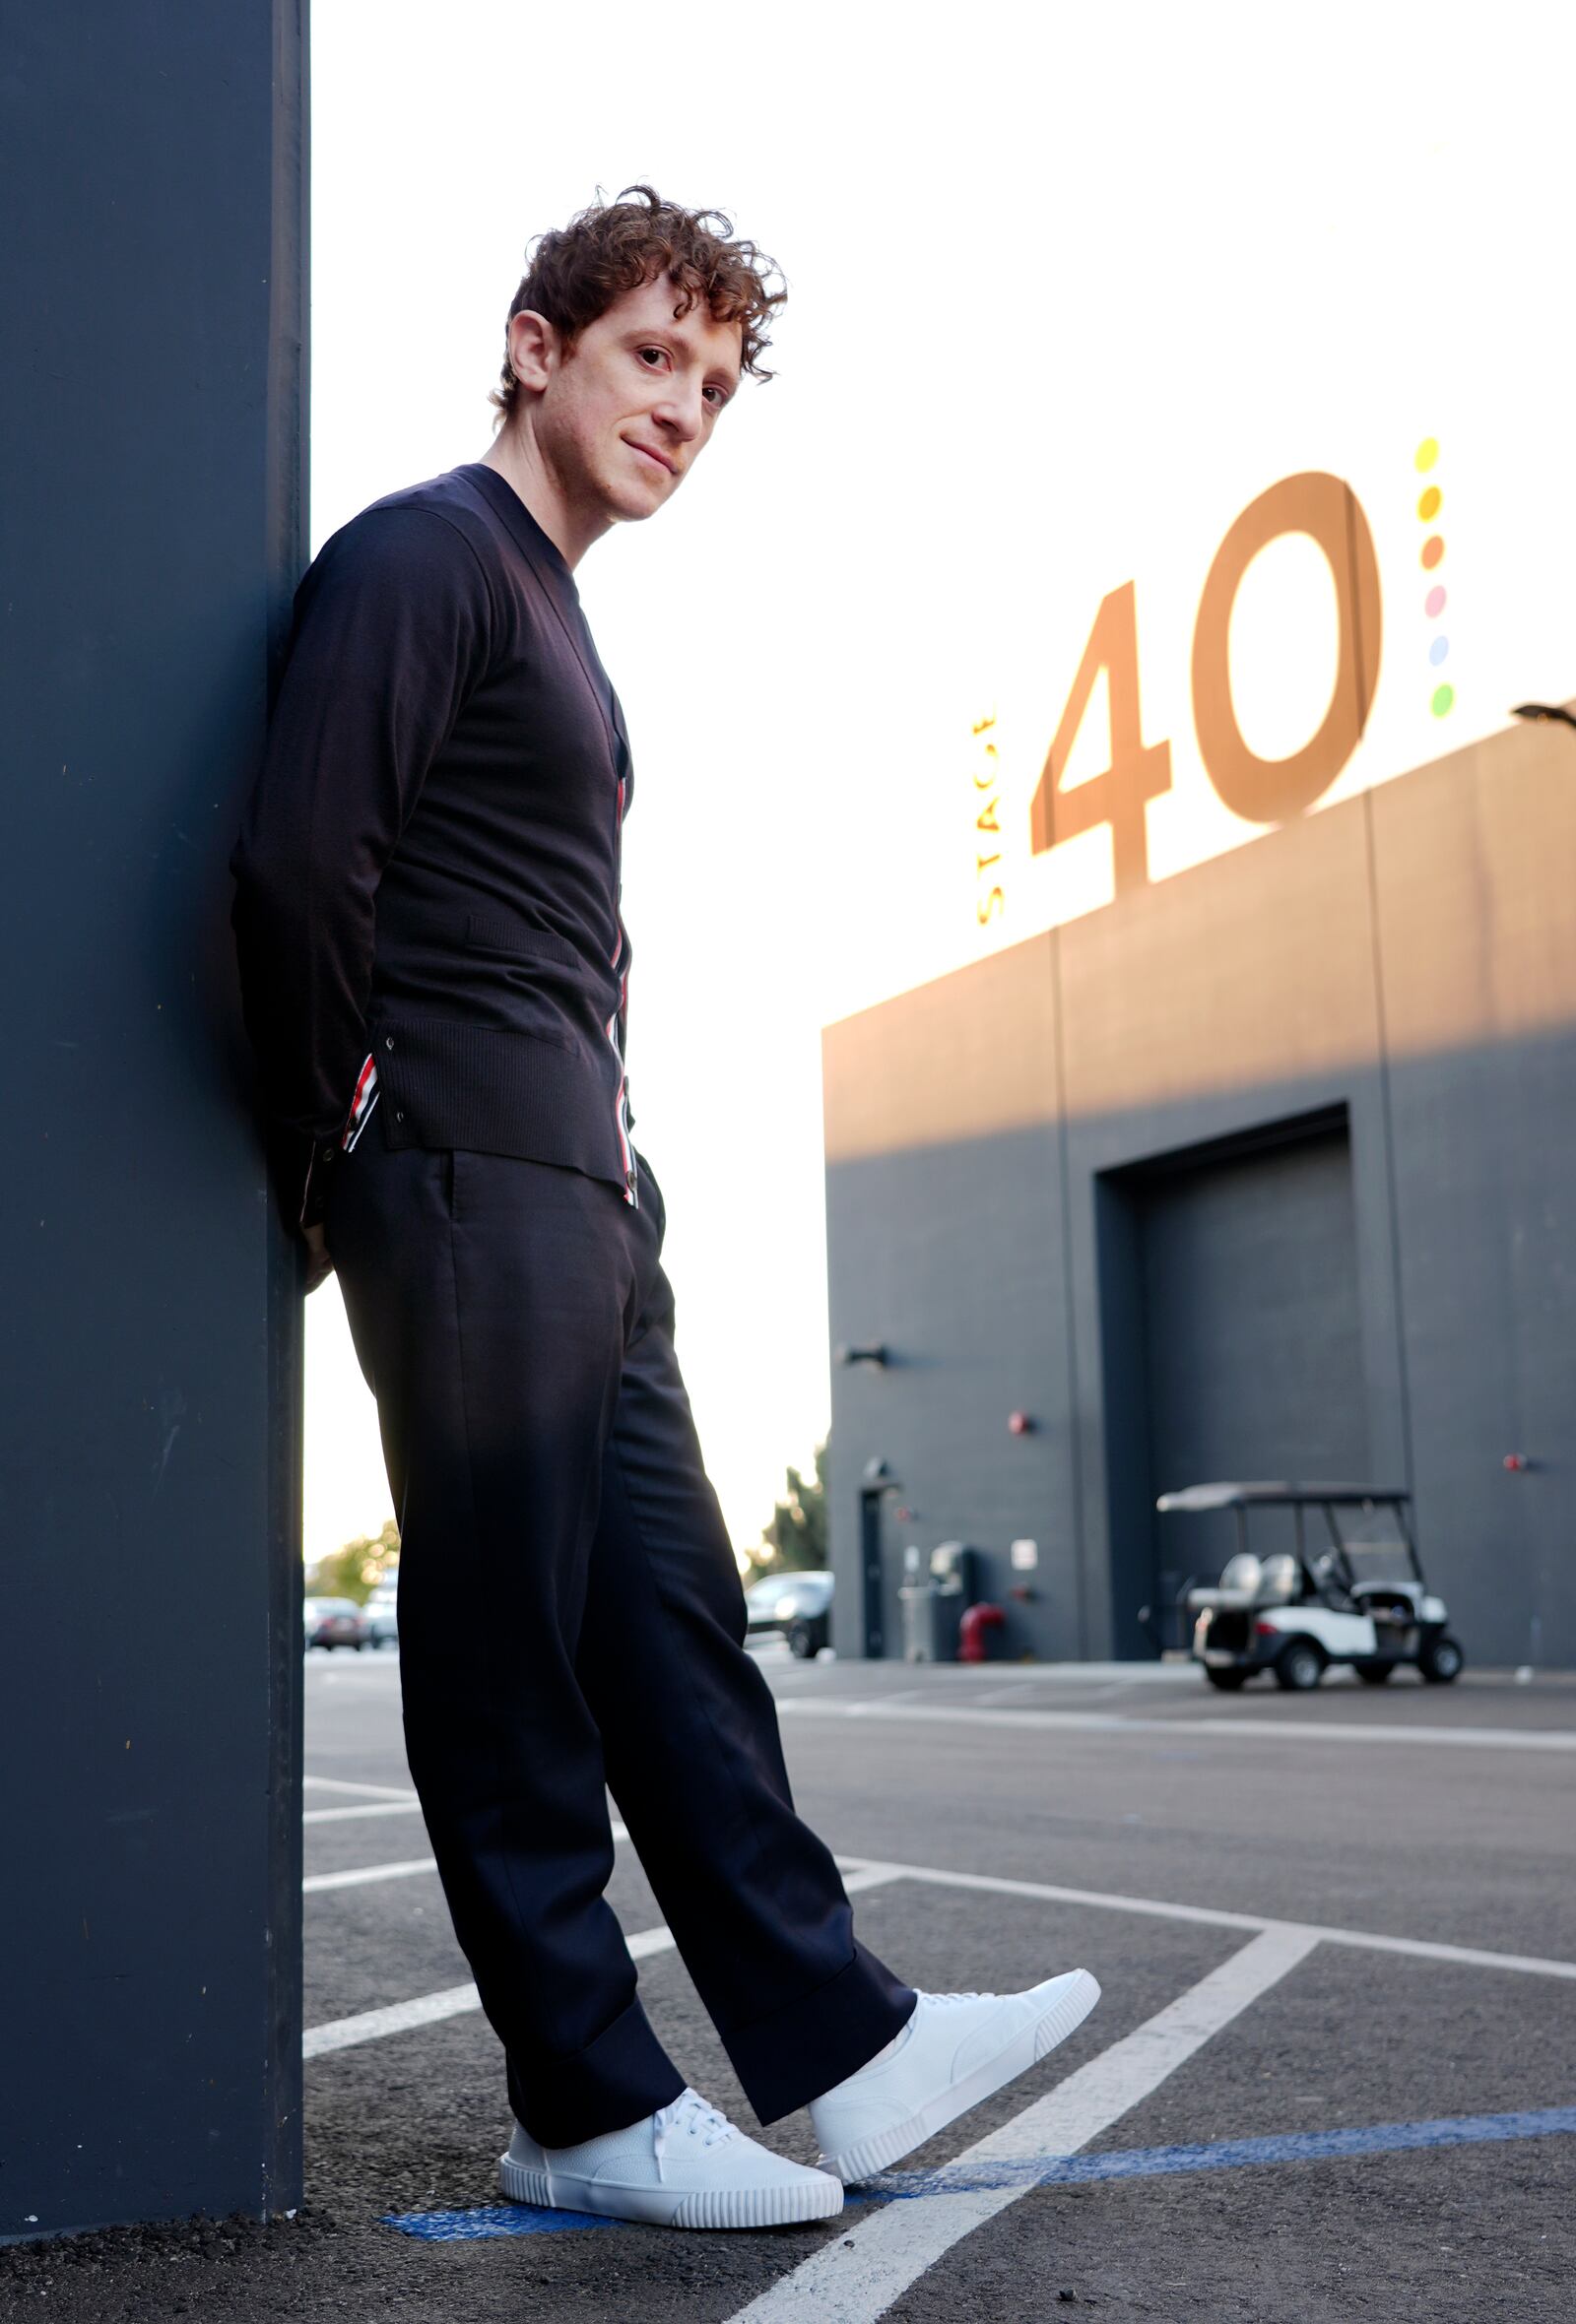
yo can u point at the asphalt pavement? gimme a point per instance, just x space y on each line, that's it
1333 2073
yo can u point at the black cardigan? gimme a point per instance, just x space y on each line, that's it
427 873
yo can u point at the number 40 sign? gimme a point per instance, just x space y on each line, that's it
1261 790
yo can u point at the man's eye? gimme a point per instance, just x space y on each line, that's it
651 350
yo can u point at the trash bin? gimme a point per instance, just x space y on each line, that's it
955 1582
934 1604
916 1596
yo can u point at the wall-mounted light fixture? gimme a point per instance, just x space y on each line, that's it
1020 1424
874 1354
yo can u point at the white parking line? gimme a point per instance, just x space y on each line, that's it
371 1807
372 1791
364 1874
370 2025
428 2009
1214 1916
856 2276
1269 1729
948 1675
876 1872
1096 1694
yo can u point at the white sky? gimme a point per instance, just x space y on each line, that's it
1068 289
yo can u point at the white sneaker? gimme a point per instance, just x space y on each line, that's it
955 2051
683 2166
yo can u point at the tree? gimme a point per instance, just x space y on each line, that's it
796 1538
355 1571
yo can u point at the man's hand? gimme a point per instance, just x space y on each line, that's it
319 1266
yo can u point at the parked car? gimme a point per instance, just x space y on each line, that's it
382 1618
335 1622
796 1604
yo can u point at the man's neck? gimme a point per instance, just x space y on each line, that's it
516 456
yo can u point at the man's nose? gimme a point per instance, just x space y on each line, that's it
680 413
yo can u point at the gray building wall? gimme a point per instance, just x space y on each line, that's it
152 280
1390 982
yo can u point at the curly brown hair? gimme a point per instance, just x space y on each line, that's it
576 272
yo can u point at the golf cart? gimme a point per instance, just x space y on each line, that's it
1362 1599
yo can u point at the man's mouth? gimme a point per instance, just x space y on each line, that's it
660 458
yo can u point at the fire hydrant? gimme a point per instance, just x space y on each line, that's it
971 1631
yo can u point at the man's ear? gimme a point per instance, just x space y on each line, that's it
535 348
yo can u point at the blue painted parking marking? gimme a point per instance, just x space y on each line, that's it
1311 2145
1061 2170
509 2219
493 2219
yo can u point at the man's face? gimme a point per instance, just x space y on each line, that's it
627 415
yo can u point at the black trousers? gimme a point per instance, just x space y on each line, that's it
571 1622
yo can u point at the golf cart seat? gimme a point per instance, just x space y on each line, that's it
1281 1580
1247 1583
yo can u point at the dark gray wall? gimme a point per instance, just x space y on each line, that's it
1402 965
964 1232
151 280
954 1242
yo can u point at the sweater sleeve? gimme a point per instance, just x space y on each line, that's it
392 630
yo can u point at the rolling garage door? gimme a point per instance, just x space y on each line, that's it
1242 1297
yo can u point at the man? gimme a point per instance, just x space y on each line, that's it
428 928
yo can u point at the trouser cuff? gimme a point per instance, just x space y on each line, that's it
803 2048
620 2078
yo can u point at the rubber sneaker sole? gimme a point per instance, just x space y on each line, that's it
1071 1998
782 2206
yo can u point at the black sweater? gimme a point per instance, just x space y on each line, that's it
426 903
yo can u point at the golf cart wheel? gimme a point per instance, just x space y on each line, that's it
1226 1680
1373 1674
800 1644
1299 1667
1440 1660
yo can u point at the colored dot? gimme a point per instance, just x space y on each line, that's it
1438 650
1433 549
1443 697
1433 604
1428 504
1426 454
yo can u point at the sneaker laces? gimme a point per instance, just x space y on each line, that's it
688 2112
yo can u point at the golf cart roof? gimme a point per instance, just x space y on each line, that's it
1268 1496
